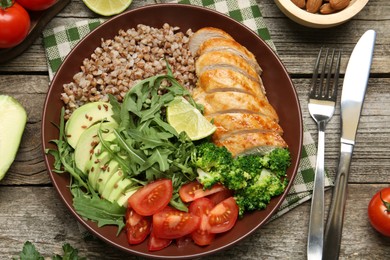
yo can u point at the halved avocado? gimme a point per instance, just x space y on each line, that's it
13 118
88 141
84 117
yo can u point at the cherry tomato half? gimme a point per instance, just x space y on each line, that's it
194 190
155 243
14 25
223 216
137 227
152 198
172 223
36 5
379 211
201 208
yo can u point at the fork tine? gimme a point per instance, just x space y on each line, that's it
336 76
327 87
324 67
315 75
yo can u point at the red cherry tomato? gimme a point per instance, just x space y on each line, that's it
137 227
201 208
36 5
155 243
194 190
14 24
379 211
152 198
223 216
172 224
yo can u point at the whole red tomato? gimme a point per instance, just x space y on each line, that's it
36 5
14 24
379 211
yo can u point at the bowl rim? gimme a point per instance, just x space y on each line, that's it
320 20
90 226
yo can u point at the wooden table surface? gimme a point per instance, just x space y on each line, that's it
30 208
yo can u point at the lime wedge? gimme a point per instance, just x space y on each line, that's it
182 116
107 7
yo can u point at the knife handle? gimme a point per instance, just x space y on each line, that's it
334 225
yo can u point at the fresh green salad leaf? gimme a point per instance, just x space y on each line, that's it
99 210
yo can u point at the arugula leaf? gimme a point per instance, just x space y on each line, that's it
98 210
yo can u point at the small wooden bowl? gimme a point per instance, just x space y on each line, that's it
305 18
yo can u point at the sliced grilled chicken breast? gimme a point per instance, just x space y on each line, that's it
214 59
222 79
205 34
229 101
230 123
251 142
229 45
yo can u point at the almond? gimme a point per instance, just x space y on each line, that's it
299 3
339 4
313 6
326 9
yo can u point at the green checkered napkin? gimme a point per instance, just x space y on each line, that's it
60 40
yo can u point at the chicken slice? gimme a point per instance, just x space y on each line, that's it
251 142
230 123
229 101
218 79
230 45
214 59
205 34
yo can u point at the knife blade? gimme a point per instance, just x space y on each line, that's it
352 97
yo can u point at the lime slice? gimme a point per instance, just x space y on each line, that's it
107 7
182 116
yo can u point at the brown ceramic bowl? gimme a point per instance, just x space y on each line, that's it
281 94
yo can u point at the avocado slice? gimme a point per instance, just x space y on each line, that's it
88 141
105 175
119 188
84 117
99 161
97 164
123 199
13 119
117 176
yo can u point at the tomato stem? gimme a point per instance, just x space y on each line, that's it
387 204
4 4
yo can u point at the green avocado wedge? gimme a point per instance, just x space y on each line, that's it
84 117
88 141
13 119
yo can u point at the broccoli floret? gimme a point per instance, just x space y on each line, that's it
259 191
211 161
255 179
278 160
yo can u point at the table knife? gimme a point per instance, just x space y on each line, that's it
352 97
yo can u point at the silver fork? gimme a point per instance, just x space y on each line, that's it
322 102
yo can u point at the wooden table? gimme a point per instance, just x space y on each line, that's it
30 208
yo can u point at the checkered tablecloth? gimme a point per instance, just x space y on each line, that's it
60 40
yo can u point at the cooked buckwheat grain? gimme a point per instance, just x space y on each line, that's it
132 55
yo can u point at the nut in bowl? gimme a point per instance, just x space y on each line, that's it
319 13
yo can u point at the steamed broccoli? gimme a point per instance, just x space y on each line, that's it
259 191
211 161
255 179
